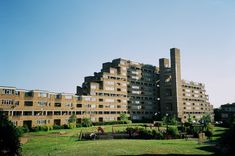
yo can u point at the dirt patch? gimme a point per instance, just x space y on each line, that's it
24 140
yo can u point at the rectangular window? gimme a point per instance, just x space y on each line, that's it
79 105
57 104
41 122
42 103
8 102
8 91
28 103
93 106
41 94
68 105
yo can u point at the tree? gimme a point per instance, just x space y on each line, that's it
86 122
72 121
9 137
205 120
72 118
123 117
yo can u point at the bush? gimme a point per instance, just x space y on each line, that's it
112 123
127 122
72 125
173 131
22 130
86 122
145 134
158 124
130 131
57 127
157 134
35 129
41 128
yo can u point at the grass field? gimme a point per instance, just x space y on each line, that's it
52 143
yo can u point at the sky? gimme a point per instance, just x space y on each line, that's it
52 45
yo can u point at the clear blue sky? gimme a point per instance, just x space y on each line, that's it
52 45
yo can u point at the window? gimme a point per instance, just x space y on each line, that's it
41 94
41 122
135 87
101 106
57 104
28 103
8 102
79 105
28 94
8 91
100 100
93 106
68 105
42 103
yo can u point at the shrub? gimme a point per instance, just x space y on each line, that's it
65 126
157 134
57 127
35 129
130 131
127 122
173 131
145 134
49 127
86 122
158 124
72 125
22 130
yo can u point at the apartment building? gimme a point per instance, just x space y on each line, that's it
121 86
228 113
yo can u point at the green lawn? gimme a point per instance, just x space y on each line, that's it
52 143
70 146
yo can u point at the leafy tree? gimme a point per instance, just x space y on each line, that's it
209 130
72 118
123 117
9 137
190 120
173 120
164 120
86 122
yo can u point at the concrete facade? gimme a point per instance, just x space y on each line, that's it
122 86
